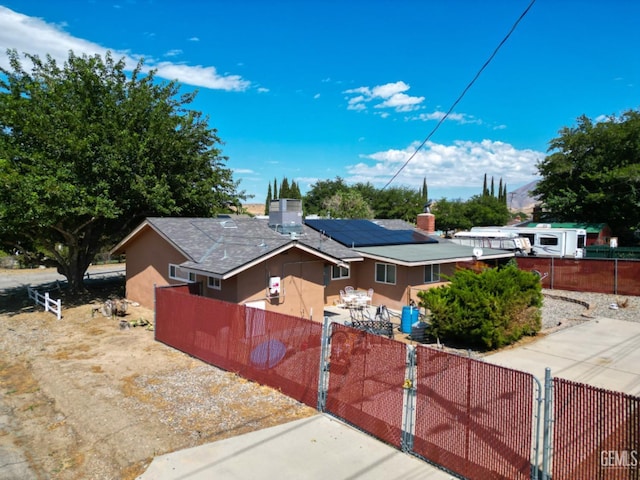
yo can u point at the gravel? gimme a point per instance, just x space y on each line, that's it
562 308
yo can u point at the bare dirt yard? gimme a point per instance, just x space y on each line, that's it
83 398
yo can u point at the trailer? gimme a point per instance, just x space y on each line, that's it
496 240
546 241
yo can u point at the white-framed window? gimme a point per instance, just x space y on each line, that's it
215 283
432 273
386 273
178 273
339 273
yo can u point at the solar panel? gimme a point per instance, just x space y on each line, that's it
365 233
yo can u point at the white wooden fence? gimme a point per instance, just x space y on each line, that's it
49 304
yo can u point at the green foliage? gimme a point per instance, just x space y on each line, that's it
86 152
489 310
593 174
314 199
479 210
450 215
347 204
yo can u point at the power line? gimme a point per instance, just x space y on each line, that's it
477 75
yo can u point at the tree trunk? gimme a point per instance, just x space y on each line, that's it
74 269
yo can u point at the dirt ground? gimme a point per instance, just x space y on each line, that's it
83 398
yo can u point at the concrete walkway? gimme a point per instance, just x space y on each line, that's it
602 352
318 447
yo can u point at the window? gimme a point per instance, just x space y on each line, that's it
339 273
386 273
215 283
178 273
548 241
432 273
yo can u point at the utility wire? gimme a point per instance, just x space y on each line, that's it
477 75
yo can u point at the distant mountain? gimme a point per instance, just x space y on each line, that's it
521 199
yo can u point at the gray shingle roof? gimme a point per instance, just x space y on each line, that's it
223 245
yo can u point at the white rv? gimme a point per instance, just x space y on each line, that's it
496 240
547 241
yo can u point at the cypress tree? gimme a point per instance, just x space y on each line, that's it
267 203
275 189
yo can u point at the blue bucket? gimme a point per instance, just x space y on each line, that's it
408 318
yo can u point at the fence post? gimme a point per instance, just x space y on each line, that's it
535 465
409 411
615 276
546 439
323 375
46 301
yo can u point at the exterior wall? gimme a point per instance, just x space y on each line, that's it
148 259
409 280
301 285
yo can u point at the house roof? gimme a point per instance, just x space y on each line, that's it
225 246
438 250
427 254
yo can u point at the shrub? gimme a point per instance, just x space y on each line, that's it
490 309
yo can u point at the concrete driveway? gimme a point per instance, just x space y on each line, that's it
601 352
318 447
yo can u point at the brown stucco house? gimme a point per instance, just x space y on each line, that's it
291 266
239 260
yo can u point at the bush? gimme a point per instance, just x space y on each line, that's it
489 310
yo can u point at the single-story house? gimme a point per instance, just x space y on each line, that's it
292 266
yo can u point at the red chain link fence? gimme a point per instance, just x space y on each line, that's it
269 348
616 276
472 417
596 433
367 374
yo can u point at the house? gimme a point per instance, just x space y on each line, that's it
291 266
239 260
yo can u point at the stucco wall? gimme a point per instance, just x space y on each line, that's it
408 281
148 259
301 291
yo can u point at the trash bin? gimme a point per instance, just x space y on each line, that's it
408 318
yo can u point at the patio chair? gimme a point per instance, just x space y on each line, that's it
343 300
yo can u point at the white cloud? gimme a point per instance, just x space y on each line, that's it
461 118
34 35
194 39
243 170
173 52
462 164
388 96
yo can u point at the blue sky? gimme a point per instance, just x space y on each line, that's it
313 90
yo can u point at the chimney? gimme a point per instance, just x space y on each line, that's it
427 222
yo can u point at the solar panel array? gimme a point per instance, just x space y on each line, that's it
365 233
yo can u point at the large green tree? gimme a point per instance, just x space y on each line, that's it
87 151
593 174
